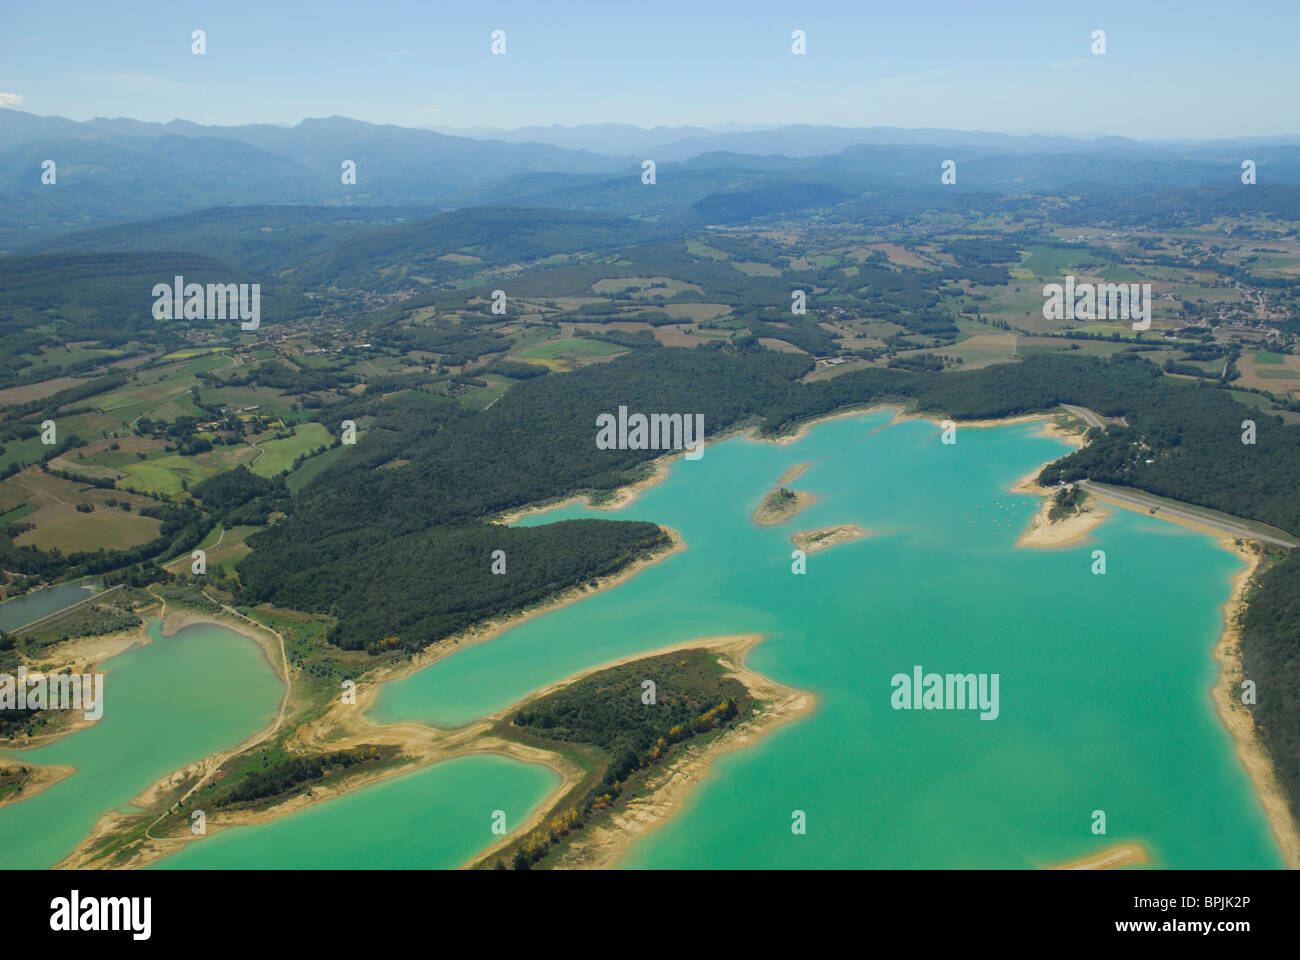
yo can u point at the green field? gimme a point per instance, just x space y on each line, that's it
479 397
1052 261
313 466
1267 356
1251 399
280 454
572 347
22 451
270 402
167 474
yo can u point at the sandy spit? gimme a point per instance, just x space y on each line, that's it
1119 855
811 541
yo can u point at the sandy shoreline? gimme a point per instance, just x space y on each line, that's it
1232 713
615 499
767 515
1238 719
793 474
80 655
341 726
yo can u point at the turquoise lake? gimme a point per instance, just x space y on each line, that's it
438 816
1104 683
1104 679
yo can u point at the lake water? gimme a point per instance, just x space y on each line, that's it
435 817
1104 680
41 603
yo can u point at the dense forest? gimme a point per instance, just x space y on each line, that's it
1271 658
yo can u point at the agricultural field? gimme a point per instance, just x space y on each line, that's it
566 353
479 398
51 509
172 473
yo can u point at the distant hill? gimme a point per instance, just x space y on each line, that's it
116 170
810 140
261 238
112 292
488 235
122 171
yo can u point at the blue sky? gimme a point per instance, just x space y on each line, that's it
1172 69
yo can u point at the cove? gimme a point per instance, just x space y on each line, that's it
166 704
435 817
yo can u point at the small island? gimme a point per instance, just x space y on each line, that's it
810 541
780 505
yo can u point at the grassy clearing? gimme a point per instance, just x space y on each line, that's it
168 474
311 467
571 347
479 397
279 455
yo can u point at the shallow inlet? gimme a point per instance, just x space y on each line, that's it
166 704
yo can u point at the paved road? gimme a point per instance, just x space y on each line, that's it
1126 496
1086 415
1136 498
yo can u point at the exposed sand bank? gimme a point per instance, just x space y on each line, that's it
424 745
82 654
811 541
1226 692
802 428
1119 855
615 499
79 655
1045 533
793 473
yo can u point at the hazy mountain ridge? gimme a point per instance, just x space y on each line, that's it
122 171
